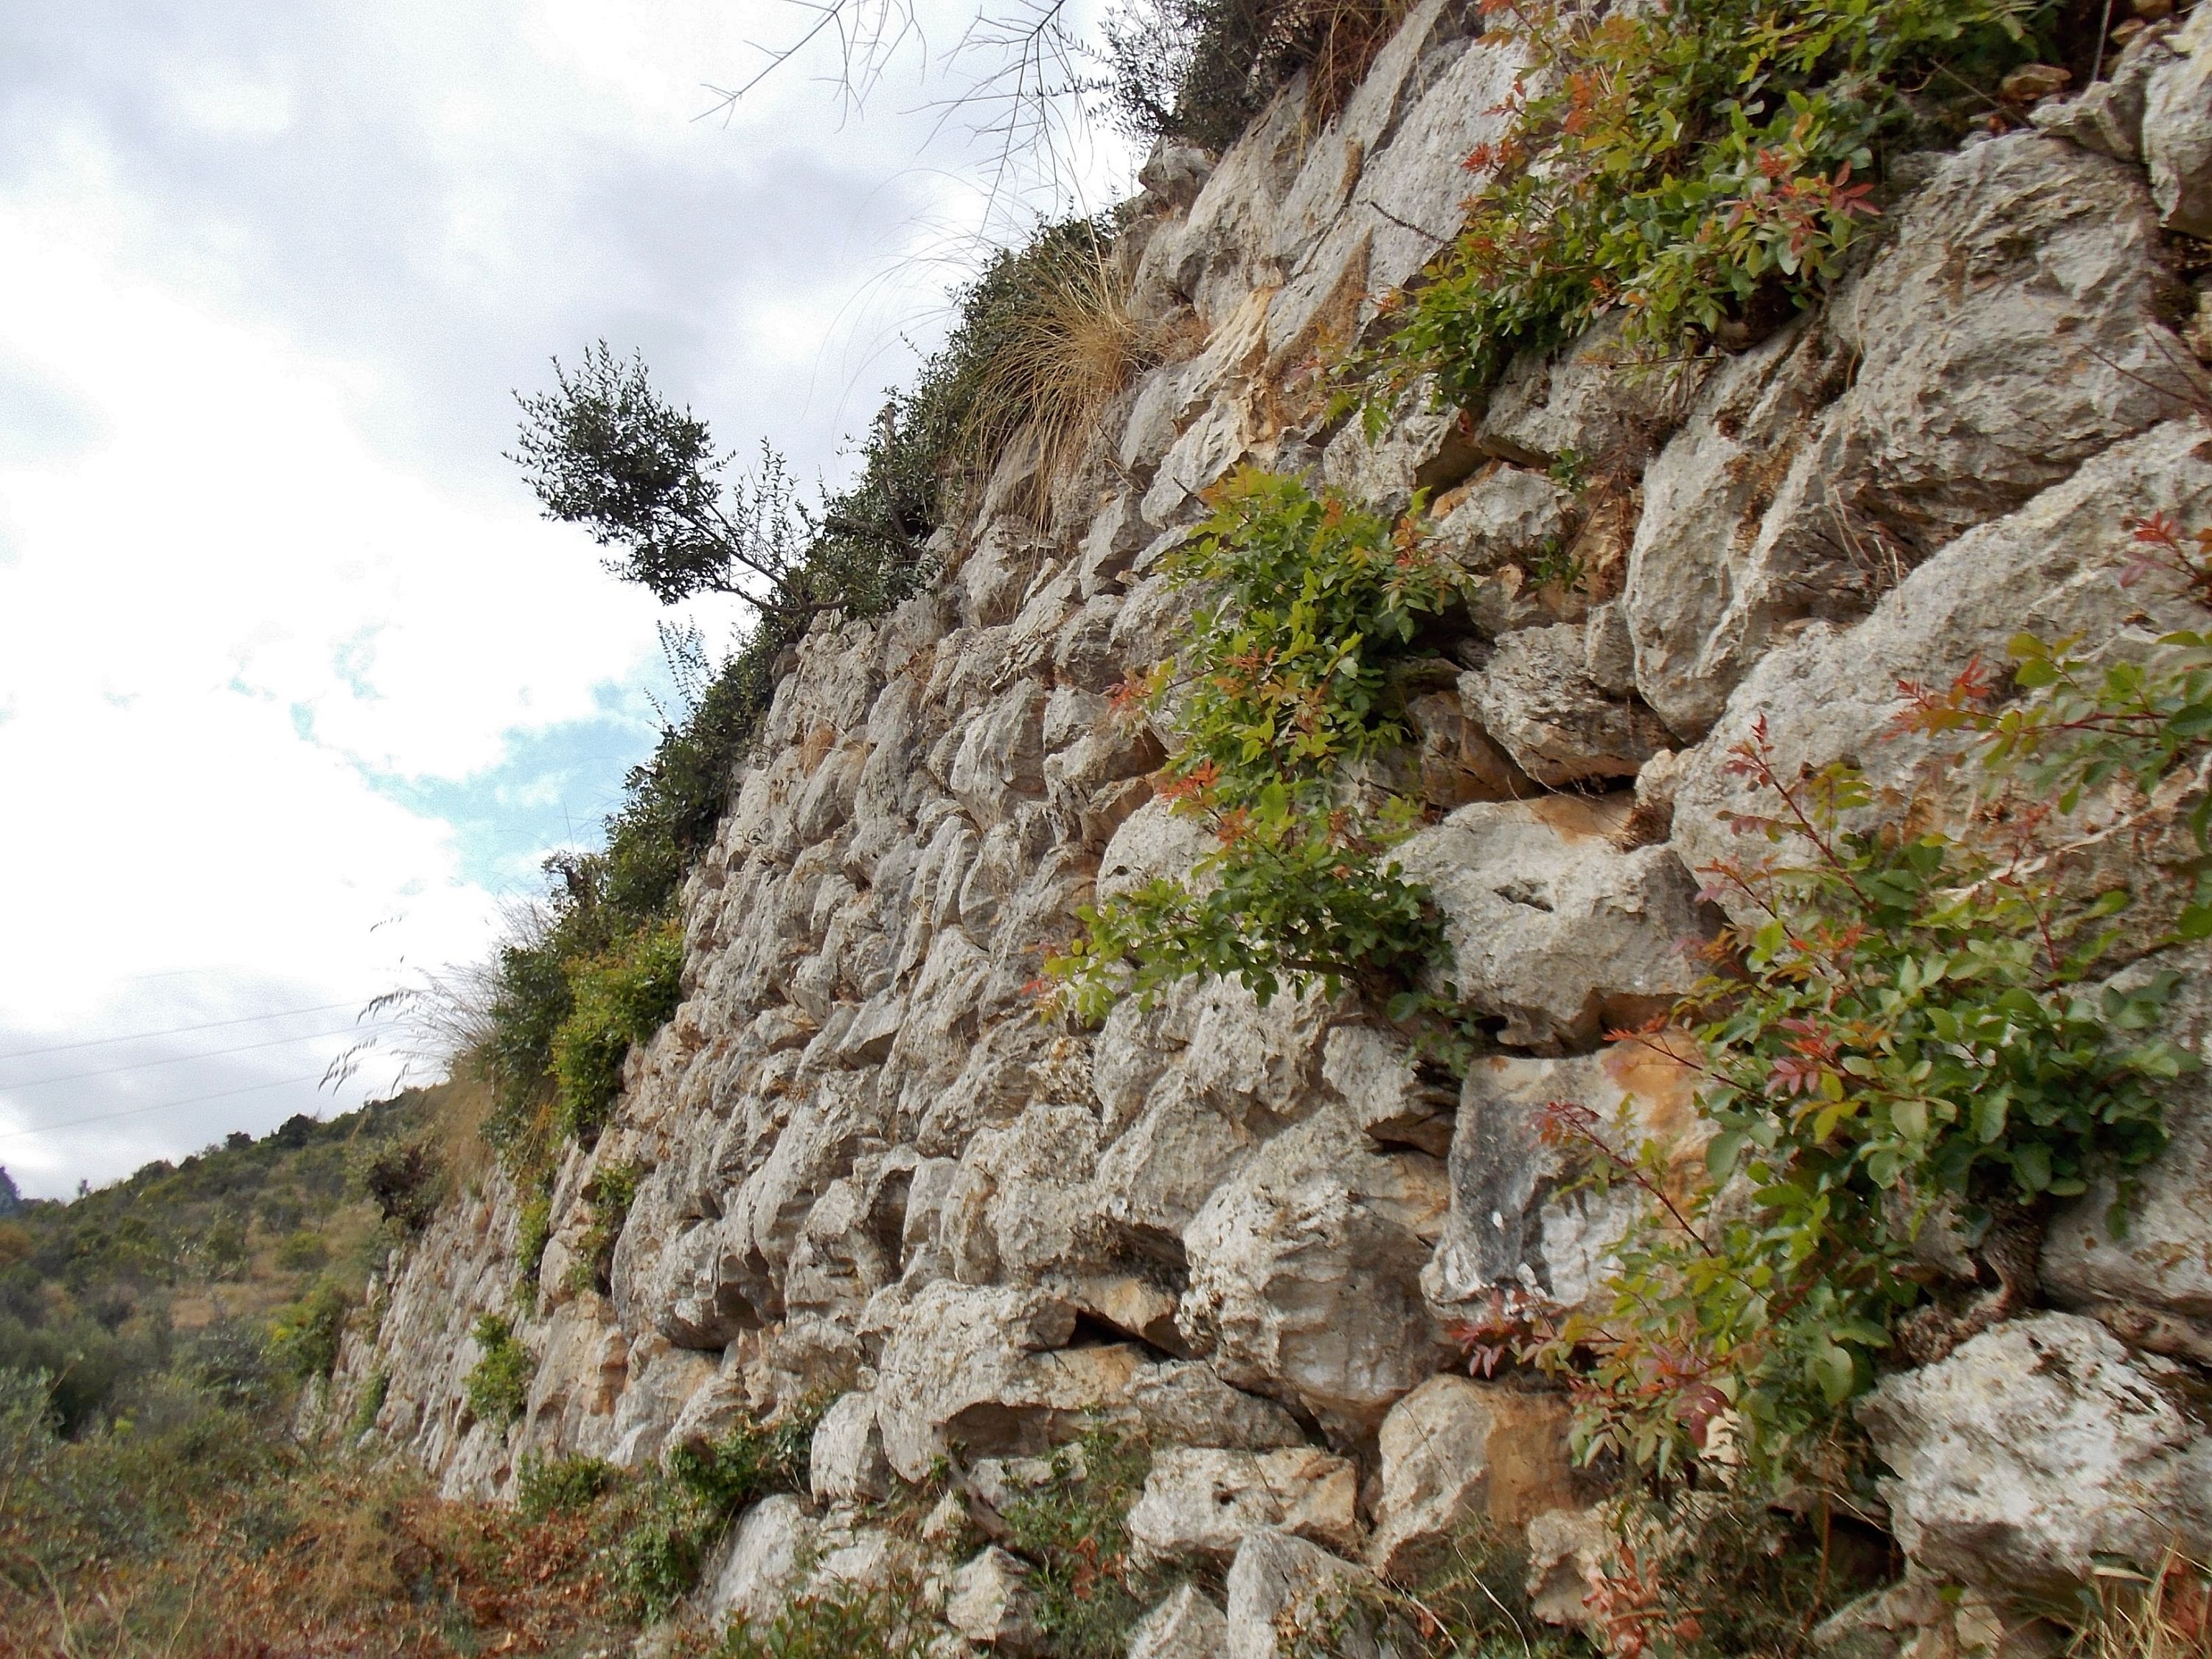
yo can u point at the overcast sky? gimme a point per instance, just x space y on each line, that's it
294 685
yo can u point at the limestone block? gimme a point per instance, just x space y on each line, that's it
987 1370
1391 1098
1508 1229
1186 1626
1538 699
1495 528
1281 1587
990 1604
1185 1403
1453 759
1203 1500
1160 1171
1569 1550
846 1461
1552 925
766 1559
2036 1448
1427 445
1587 399
1153 842
2051 569
2177 129
1001 757
1456 1452
1305 1271
2108 115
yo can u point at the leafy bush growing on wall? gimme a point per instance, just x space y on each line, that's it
1914 1037
498 1385
1687 167
1313 607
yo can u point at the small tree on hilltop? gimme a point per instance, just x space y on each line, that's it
607 452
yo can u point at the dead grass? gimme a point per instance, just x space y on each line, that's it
328 1563
1342 40
1067 348
2167 1615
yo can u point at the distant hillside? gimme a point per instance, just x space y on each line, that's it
104 1292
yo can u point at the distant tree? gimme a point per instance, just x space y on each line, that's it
237 1141
605 451
11 1200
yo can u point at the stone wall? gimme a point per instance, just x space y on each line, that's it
870 1168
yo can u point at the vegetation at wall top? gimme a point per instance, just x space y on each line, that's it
1696 168
1042 339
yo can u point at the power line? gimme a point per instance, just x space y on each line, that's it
140 1111
208 1054
178 1030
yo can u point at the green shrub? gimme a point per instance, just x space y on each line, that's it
890 1620
1073 1529
533 1230
403 1178
1198 70
553 1486
614 1187
1913 1038
1293 675
304 1337
618 999
1684 166
302 1252
498 1385
371 1403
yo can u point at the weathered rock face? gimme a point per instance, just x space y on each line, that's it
2009 333
2036 1448
867 1169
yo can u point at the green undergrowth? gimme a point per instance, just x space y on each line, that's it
1310 611
666 1524
1693 167
250 1241
498 1384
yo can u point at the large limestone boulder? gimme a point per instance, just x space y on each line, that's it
1186 1626
1202 1500
1457 1452
1540 698
1305 1269
2038 1448
1395 1098
844 1460
2051 569
989 1369
2009 333
1184 1402
1509 1229
1553 926
2177 128
767 1557
992 1605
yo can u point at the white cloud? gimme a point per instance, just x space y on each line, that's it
266 275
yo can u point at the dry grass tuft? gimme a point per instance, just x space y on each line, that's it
1339 41
2165 1616
1064 347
